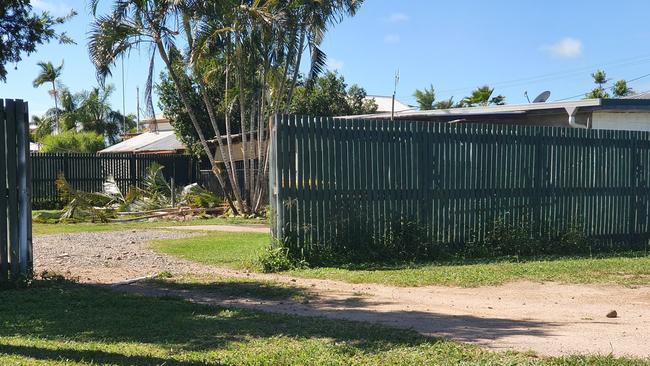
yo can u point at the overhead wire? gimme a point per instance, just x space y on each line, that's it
610 88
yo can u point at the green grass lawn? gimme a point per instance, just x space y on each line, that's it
66 324
224 249
48 229
236 250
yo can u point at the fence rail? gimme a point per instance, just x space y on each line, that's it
16 257
453 179
88 172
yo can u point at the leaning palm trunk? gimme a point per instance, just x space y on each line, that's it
229 165
215 167
242 122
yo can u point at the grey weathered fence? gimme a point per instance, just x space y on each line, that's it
452 179
88 172
16 257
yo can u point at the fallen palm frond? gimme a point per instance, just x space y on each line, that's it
180 213
82 206
152 199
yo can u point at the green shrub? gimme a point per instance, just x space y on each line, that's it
72 141
276 259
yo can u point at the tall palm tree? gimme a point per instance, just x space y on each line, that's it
153 23
621 89
49 74
425 98
482 96
250 47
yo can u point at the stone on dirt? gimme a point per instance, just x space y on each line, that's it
612 314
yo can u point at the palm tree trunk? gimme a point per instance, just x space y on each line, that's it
229 164
190 111
242 116
56 106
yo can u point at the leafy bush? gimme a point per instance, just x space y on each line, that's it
72 141
276 259
406 240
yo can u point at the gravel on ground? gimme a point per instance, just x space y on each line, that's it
107 257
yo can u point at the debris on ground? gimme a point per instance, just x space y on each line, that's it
153 199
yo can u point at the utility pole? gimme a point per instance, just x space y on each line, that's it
123 101
137 100
392 110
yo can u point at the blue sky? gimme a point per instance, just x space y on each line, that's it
515 46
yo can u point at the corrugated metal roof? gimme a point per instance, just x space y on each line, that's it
384 104
642 95
147 142
496 109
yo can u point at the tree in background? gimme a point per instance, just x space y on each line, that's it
619 89
49 74
482 96
73 141
444 104
87 111
359 102
44 127
600 78
96 115
251 49
329 96
170 102
425 98
22 30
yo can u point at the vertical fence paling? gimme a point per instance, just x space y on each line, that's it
16 259
454 179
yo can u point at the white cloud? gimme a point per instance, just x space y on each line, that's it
398 18
54 7
392 39
334 64
565 48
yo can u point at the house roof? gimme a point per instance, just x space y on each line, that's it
642 95
147 143
385 104
513 109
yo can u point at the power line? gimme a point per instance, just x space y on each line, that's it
610 88
632 61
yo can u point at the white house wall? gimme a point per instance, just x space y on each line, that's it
632 121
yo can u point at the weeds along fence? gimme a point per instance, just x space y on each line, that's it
347 182
16 257
88 172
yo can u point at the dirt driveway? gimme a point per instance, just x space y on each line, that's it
550 319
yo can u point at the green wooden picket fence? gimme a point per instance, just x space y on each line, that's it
88 172
454 179
16 259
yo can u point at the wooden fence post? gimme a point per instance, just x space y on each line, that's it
15 209
4 194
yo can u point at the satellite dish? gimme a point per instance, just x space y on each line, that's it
542 97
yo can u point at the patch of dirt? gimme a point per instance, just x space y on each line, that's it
547 318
